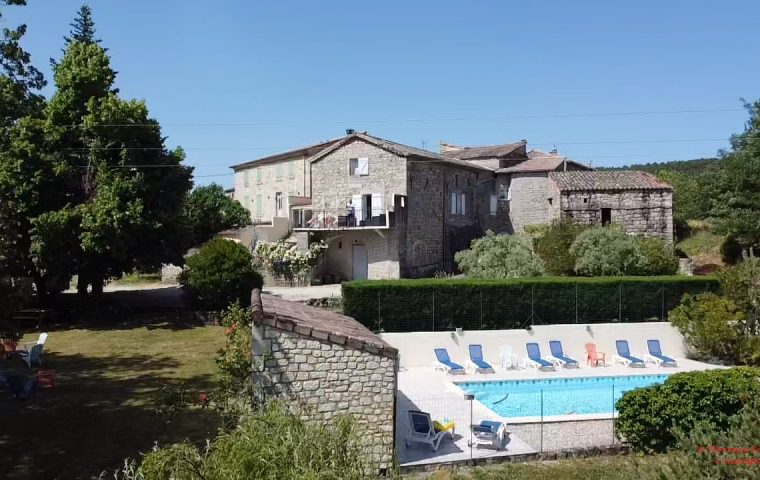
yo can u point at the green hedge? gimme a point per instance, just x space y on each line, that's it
444 304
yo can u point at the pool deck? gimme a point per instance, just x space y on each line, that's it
420 388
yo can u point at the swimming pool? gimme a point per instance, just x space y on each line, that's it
561 396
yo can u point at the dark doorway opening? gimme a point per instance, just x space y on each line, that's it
606 216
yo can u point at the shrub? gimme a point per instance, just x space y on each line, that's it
234 359
731 250
553 246
220 273
270 443
657 257
476 304
711 325
500 256
703 452
647 417
284 260
602 251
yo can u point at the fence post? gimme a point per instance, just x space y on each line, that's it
662 304
541 440
620 302
576 302
379 312
532 312
481 309
613 414
434 310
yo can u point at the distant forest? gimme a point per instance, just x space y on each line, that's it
698 165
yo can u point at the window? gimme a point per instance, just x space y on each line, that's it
606 216
358 167
457 200
494 205
278 172
259 206
245 201
258 175
551 201
245 178
292 169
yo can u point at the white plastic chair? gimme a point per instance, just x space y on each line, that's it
32 353
508 359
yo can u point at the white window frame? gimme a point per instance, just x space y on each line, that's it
457 202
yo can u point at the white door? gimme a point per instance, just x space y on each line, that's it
360 262
356 201
278 205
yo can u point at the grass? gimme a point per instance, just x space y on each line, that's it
102 408
703 246
596 468
137 278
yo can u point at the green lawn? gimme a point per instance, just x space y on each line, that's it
596 468
101 410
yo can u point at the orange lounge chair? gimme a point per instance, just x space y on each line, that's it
593 357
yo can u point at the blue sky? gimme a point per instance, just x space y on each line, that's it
417 72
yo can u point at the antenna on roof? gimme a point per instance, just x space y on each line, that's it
424 144
350 131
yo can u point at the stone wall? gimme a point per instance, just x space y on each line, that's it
294 181
530 205
382 252
639 212
324 375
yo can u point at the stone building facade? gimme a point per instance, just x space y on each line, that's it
388 210
325 365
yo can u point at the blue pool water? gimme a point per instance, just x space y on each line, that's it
561 396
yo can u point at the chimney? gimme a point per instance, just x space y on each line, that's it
350 131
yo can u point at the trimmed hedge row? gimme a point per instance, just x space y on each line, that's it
444 304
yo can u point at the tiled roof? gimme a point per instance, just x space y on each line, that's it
607 180
489 151
306 151
397 148
316 323
544 162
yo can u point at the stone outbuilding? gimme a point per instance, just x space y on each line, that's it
327 364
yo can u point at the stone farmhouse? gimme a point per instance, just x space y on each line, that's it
388 210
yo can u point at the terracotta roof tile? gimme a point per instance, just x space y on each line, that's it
607 180
489 151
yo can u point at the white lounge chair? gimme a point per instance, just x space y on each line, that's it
534 359
476 363
443 362
656 356
508 359
488 433
421 430
32 353
625 356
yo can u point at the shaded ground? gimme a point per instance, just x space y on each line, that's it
102 409
703 247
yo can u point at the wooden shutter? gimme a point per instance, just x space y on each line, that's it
363 166
462 198
494 204
453 197
377 204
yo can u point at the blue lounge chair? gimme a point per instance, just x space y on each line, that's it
558 355
444 363
476 361
656 356
534 358
624 355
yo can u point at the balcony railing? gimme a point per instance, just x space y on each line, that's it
312 219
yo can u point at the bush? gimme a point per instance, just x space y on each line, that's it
234 359
603 251
703 450
647 417
221 273
731 250
553 246
500 256
284 260
657 257
271 443
709 323
473 304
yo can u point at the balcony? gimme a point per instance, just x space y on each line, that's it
307 219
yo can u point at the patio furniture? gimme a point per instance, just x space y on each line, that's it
421 430
444 363
46 378
40 341
476 361
655 355
558 356
508 359
624 355
33 356
593 357
534 358
488 433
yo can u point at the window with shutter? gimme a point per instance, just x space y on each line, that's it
363 167
278 172
259 206
292 169
245 178
258 175
461 203
453 201
494 204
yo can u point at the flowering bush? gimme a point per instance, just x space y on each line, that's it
284 260
234 359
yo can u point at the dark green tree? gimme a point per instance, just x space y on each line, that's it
83 28
208 211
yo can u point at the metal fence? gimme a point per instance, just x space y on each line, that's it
559 418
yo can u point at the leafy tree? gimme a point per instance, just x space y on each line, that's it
657 257
691 194
208 211
500 256
605 251
553 246
741 284
737 208
221 273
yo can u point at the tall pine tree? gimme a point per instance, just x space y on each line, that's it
83 28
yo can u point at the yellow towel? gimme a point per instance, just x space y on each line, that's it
443 427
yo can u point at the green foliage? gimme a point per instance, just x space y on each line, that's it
272 443
709 451
208 211
283 260
553 246
691 193
500 256
83 28
709 323
691 167
234 360
221 273
648 416
605 251
171 399
476 304
731 250
657 257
